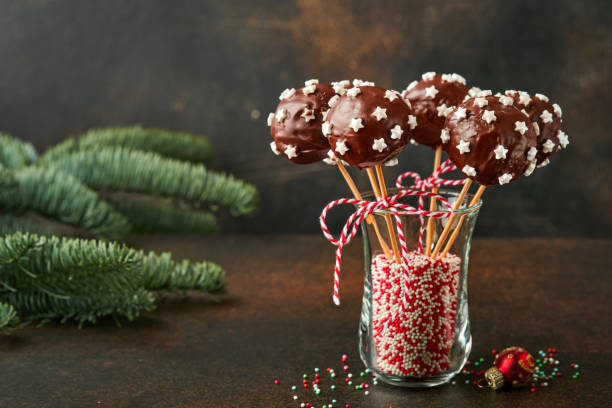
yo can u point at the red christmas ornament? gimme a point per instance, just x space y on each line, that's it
514 366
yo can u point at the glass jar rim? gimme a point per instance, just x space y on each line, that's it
367 195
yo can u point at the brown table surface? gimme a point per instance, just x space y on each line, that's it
278 322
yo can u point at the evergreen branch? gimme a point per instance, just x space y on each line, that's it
118 169
146 216
161 273
58 195
177 145
15 153
11 223
8 318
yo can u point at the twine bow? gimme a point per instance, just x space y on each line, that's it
391 204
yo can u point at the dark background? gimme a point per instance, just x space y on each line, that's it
216 68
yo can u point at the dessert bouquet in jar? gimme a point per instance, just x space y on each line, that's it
414 328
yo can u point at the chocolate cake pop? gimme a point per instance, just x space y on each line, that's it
296 124
430 98
368 126
548 119
489 141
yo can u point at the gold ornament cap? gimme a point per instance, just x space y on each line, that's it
495 378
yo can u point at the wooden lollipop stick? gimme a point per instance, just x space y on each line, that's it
432 204
388 220
452 219
383 193
453 237
370 219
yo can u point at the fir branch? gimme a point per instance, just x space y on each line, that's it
177 145
147 216
118 169
15 153
8 318
10 223
161 273
60 278
58 195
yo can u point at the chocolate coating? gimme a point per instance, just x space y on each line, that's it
429 110
549 130
294 131
375 142
483 139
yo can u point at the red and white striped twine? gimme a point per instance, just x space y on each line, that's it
390 203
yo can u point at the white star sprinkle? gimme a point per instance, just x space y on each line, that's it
546 117
341 147
353 92
281 115
548 146
326 128
270 118
489 116
460 113
340 86
333 101
396 132
412 121
274 148
290 151
531 154
391 95
474 91
308 114
481 102
563 139
463 147
530 168
447 77
310 89
444 136
379 144
380 113
469 171
330 162
324 114
520 127
500 152
506 100
287 93
431 92
311 82
356 124
414 142
510 92
411 85
442 109
558 111
486 92
428 76
541 97
391 162
504 178
544 163
524 98
361 82
536 128
457 78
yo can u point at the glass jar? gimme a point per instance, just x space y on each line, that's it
414 329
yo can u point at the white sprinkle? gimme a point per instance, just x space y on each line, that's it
460 113
558 111
311 82
546 117
463 147
356 123
442 110
411 85
489 116
341 147
274 148
391 162
287 93
380 113
391 95
520 127
474 91
524 98
548 147
281 115
270 118
333 101
481 102
563 139
353 92
458 78
412 121
500 152
290 151
310 89
444 136
536 128
530 168
326 128
428 76
324 114
544 163
431 92
340 86
396 132
469 171
531 154
486 92
506 100
308 114
541 97
379 144
504 178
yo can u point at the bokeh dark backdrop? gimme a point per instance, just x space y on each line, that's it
216 68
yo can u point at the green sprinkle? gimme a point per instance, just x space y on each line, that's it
304 375
362 374
350 383
356 387
334 401
293 388
476 364
317 392
333 387
467 381
316 370
481 359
